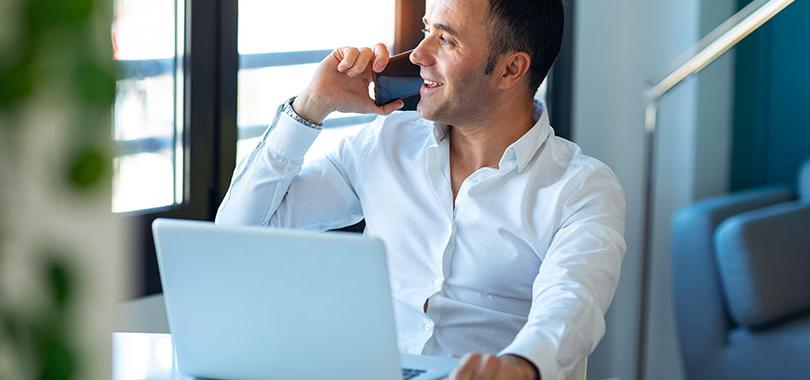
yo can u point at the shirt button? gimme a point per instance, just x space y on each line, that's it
437 283
428 327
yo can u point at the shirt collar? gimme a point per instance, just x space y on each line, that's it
520 151
440 131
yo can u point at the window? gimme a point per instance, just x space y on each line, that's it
274 69
147 123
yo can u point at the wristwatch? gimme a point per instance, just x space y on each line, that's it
287 108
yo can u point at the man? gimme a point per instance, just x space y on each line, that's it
503 240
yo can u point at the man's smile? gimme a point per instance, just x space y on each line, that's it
429 86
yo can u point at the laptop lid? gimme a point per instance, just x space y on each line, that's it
247 302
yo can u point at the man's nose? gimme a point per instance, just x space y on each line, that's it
420 55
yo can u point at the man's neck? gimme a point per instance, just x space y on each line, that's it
481 143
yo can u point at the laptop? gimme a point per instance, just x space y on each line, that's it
259 303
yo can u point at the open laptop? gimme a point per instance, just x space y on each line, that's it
256 303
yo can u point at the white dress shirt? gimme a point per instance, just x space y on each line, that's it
525 261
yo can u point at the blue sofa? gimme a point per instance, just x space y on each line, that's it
741 283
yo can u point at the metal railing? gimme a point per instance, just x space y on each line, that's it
695 59
146 68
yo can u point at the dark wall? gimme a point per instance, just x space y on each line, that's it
771 135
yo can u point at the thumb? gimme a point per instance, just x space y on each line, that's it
387 108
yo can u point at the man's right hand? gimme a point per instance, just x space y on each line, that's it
341 84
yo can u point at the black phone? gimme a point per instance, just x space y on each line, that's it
399 80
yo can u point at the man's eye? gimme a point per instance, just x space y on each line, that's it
442 39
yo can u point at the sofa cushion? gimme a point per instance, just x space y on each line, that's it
777 352
763 257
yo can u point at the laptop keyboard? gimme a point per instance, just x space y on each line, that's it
410 373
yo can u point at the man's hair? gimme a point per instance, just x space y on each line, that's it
531 26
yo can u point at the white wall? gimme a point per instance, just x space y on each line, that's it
715 110
619 45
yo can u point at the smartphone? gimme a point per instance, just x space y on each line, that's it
399 80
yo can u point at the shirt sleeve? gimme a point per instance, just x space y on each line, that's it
577 279
273 187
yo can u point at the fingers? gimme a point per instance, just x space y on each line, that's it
349 57
380 57
357 64
476 366
361 63
356 60
488 367
467 368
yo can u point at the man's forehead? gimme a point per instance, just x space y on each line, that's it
457 14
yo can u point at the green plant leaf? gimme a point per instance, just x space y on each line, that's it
56 356
43 15
60 285
17 81
95 84
87 168
9 326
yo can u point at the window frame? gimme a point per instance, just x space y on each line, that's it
210 79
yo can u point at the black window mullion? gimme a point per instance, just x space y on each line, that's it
226 132
200 106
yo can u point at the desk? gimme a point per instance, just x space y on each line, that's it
145 315
144 356
146 351
142 349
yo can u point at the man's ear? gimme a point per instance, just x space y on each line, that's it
514 69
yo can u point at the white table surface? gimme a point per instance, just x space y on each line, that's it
144 356
143 348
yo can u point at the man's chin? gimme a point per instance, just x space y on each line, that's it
426 111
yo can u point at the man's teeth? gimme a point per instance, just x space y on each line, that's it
432 84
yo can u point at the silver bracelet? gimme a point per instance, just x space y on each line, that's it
287 108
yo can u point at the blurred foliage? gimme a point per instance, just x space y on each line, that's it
95 84
88 167
39 341
65 28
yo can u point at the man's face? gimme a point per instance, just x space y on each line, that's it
453 54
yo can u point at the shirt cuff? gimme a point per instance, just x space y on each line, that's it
538 351
289 138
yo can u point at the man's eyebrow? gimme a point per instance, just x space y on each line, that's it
443 27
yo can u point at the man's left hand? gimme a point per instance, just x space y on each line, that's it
476 366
